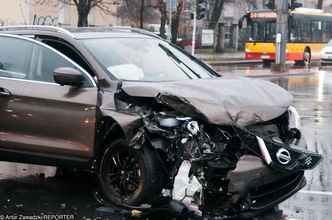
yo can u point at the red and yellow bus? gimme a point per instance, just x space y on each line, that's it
309 31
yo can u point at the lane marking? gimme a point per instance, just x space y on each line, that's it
316 192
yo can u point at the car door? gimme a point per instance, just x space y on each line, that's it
40 119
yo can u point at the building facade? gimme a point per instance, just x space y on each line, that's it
19 12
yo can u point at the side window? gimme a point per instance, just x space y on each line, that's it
24 59
326 31
15 58
316 31
305 30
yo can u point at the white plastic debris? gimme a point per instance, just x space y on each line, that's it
184 187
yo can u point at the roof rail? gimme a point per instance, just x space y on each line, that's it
69 31
136 30
36 27
112 28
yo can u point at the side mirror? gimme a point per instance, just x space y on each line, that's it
68 76
243 22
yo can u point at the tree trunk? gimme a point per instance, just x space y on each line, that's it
163 19
176 22
216 13
320 4
83 10
82 20
141 17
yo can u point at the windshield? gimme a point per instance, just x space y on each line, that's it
144 59
262 30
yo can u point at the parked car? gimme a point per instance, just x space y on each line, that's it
184 42
326 54
155 124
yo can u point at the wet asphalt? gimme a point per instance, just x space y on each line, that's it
37 190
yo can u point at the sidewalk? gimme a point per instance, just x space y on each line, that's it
224 58
266 72
221 56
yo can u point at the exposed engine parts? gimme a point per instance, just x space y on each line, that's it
206 165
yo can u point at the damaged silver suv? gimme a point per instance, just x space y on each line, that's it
156 125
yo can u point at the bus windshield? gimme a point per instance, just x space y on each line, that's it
262 30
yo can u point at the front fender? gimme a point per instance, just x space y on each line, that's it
131 124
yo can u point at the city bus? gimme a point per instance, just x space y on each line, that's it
309 31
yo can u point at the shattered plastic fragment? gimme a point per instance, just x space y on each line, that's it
184 188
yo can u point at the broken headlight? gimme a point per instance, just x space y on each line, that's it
294 120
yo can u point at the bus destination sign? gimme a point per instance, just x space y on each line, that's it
254 15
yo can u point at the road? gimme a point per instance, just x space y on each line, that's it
312 91
27 189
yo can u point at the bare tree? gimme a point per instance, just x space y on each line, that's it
163 18
215 16
141 14
216 13
83 7
137 12
176 21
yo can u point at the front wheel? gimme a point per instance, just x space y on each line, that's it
130 176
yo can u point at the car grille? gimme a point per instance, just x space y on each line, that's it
273 193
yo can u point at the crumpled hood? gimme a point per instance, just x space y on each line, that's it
218 101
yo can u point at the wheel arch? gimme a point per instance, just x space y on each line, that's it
115 125
307 48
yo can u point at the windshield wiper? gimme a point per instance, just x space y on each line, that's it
171 54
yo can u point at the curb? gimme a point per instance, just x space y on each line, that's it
232 62
274 74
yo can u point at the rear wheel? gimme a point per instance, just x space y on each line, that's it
267 63
306 58
130 176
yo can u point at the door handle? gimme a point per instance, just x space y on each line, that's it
4 92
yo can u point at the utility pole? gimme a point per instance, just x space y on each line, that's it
170 19
281 36
199 13
193 39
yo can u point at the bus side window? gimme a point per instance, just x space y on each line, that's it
316 31
295 31
326 31
305 30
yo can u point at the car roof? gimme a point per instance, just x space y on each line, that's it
82 32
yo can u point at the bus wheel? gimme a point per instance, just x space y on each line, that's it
306 57
267 63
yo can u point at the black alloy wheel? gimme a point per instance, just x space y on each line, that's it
130 176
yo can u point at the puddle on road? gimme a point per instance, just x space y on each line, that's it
17 170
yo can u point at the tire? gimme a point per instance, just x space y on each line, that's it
267 63
306 57
129 176
299 63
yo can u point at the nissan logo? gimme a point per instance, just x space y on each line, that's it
283 156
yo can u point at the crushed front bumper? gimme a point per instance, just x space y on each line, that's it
287 158
266 177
